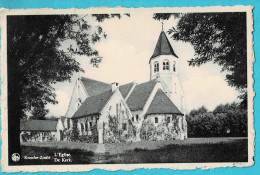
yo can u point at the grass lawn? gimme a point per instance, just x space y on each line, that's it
176 151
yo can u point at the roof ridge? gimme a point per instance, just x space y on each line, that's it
94 80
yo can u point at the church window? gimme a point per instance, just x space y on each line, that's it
156 67
137 117
90 124
168 119
133 119
156 120
124 126
174 66
82 127
117 110
165 65
68 123
86 126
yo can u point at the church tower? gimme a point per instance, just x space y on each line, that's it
164 67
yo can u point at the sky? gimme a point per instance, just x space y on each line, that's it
126 52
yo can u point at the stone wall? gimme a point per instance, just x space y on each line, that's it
162 127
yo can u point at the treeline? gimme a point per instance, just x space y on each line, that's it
229 120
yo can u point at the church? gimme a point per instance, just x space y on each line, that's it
154 110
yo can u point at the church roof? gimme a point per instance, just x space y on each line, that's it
125 89
93 105
163 47
161 104
38 125
140 95
95 87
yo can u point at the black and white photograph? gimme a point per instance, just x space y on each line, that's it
155 86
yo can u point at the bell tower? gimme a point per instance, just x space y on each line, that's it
164 67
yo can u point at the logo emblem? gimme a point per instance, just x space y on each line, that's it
15 157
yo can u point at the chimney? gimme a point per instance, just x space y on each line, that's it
115 85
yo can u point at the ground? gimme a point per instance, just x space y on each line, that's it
175 151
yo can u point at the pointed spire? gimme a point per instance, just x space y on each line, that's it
163 46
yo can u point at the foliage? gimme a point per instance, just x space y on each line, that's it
39 112
217 37
201 110
229 120
87 139
37 136
75 131
114 133
41 52
162 131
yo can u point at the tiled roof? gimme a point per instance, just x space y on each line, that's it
93 105
161 104
125 89
163 47
140 95
38 125
95 87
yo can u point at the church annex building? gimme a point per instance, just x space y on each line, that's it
154 110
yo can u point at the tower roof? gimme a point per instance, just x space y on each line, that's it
163 47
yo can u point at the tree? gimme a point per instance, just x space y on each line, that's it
41 51
217 37
225 120
39 112
201 110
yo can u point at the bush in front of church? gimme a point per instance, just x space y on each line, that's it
162 131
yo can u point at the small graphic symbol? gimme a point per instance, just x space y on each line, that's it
15 157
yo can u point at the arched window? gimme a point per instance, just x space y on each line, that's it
165 65
82 127
168 119
86 126
156 67
137 117
68 123
156 120
174 66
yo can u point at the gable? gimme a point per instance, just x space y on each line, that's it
161 104
140 95
78 94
